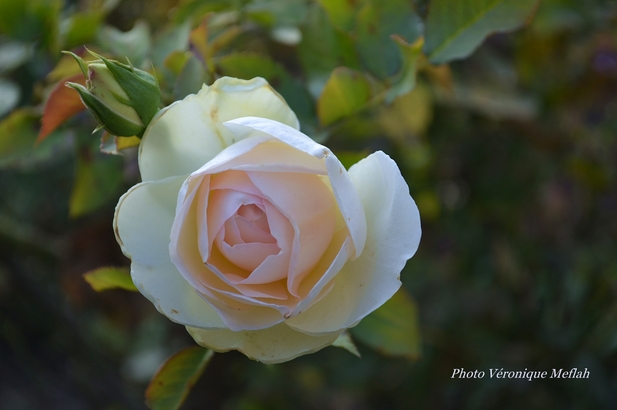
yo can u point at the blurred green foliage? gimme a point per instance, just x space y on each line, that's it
509 153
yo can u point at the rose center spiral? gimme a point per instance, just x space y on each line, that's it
245 239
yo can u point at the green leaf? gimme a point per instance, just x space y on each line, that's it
324 48
191 77
81 28
175 38
31 20
18 134
344 341
376 22
133 44
110 278
173 381
276 12
393 328
406 80
250 65
454 29
345 92
341 12
98 179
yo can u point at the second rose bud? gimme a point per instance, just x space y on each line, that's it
123 99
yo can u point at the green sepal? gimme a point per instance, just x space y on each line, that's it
111 121
140 87
80 61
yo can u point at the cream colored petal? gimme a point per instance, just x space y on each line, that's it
393 235
256 150
180 139
189 133
235 98
142 224
242 316
274 345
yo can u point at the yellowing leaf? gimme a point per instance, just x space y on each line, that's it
409 114
199 39
345 92
110 278
454 29
393 328
173 381
110 144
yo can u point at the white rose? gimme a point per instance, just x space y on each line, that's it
254 236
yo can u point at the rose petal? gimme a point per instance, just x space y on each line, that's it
257 151
344 191
255 231
180 139
222 205
236 180
275 345
147 211
393 237
248 256
274 267
188 133
309 205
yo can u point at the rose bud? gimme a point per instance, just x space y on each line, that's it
122 98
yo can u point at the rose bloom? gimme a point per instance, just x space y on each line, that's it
254 236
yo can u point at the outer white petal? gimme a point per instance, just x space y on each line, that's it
189 133
344 191
274 345
142 224
393 235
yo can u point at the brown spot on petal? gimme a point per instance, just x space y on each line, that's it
174 311
117 233
214 113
